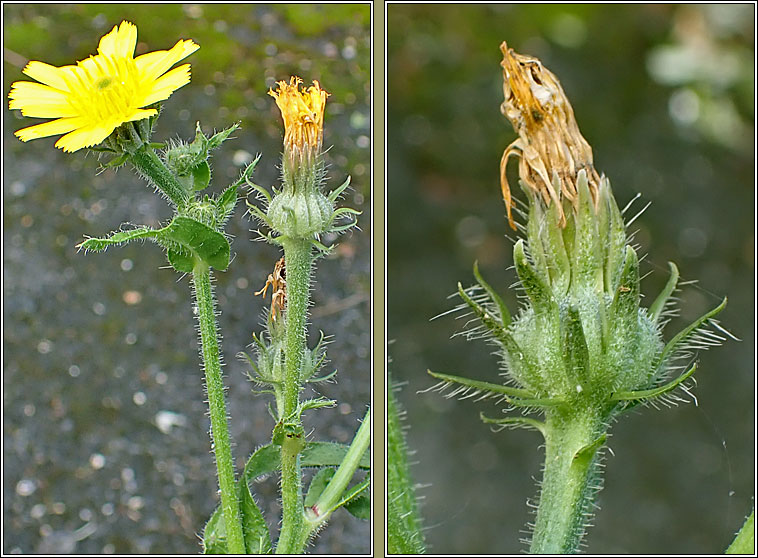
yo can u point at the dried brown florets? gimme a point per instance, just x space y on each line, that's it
278 290
551 148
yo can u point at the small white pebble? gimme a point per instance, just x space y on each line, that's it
242 157
26 487
38 511
97 461
136 503
139 398
166 420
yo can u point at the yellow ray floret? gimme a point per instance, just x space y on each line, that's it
92 98
302 111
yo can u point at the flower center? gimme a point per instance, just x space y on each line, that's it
103 83
104 88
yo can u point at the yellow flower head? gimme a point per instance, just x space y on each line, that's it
303 114
91 99
551 148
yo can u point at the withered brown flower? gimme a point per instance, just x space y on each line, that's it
277 280
550 146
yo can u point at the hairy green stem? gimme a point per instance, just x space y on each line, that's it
201 278
338 483
404 535
149 164
292 503
298 259
317 515
571 442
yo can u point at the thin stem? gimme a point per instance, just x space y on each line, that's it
320 512
292 503
149 164
570 468
336 487
201 278
298 259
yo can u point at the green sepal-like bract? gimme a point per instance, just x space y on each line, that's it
189 161
581 350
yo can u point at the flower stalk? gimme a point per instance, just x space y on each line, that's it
214 385
298 214
147 162
298 260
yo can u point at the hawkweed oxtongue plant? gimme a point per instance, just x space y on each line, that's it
109 103
582 350
298 214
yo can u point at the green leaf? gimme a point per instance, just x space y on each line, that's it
181 261
116 239
317 486
254 528
744 542
357 500
214 534
220 137
329 454
201 176
264 461
225 204
360 507
187 237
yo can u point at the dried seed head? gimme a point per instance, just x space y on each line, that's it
551 148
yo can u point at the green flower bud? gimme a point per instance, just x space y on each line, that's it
301 210
582 350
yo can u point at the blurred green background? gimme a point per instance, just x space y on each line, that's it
105 438
665 95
